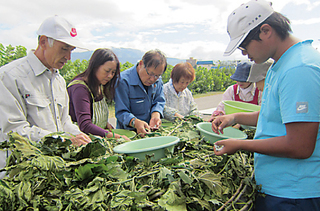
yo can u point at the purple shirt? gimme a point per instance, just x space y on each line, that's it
81 111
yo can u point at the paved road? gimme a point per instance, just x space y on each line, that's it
208 101
205 105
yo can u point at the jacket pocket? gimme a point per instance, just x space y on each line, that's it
37 101
138 105
38 109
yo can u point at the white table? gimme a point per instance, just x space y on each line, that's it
208 111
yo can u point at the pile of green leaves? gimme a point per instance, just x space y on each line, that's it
55 175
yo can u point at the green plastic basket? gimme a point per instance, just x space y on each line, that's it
228 132
155 146
231 107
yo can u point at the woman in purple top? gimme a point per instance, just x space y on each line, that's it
91 90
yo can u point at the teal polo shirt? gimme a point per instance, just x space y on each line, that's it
291 94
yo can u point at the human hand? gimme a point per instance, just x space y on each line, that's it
117 136
221 122
80 139
227 146
155 123
109 126
215 114
178 115
141 127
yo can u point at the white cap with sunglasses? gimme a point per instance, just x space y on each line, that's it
245 18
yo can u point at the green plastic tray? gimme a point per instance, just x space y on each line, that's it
148 146
228 132
231 107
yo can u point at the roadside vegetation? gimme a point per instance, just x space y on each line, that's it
212 80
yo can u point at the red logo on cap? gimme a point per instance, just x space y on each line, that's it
73 32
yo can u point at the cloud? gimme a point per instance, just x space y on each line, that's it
181 28
307 21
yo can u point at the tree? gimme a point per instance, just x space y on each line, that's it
125 66
167 75
72 69
10 53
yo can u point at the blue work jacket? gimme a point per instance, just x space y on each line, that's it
132 100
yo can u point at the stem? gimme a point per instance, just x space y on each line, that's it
38 184
242 158
233 196
109 147
224 166
240 194
246 206
133 187
180 124
238 197
156 195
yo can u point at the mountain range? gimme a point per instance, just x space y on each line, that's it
124 55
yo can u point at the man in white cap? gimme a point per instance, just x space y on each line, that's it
287 139
34 97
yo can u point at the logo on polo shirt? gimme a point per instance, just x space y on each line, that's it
302 107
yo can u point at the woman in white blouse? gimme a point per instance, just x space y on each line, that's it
179 100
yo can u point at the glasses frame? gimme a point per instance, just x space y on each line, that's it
247 40
151 74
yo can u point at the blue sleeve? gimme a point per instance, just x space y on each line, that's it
122 103
299 95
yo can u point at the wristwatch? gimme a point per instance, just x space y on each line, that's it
132 123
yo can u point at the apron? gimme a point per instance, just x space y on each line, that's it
100 109
237 98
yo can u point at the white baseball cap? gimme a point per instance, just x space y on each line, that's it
258 72
245 18
60 29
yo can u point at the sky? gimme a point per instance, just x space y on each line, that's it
180 28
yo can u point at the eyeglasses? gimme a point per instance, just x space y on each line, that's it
242 48
247 40
152 74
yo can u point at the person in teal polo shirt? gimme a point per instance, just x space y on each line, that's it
287 138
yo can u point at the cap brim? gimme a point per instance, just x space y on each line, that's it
233 44
74 43
236 78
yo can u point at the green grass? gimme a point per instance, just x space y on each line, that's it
206 94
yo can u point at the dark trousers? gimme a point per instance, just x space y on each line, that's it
272 203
